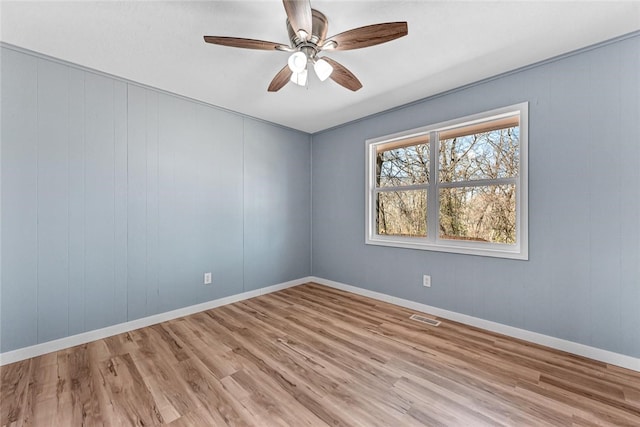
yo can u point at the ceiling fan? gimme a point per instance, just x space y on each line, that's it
307 30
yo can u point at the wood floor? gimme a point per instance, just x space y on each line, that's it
315 356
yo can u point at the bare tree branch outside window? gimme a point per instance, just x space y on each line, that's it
468 211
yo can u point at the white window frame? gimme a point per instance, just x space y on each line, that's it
519 250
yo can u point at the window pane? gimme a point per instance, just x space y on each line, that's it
402 213
485 214
403 166
482 155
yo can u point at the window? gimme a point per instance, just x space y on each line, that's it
458 186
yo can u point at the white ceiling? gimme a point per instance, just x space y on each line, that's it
450 44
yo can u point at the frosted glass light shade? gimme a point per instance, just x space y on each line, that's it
299 78
323 69
297 62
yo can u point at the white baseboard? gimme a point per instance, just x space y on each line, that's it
546 340
85 337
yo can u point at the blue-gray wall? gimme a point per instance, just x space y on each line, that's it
582 280
117 198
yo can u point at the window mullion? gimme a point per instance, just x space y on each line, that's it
478 183
432 191
402 187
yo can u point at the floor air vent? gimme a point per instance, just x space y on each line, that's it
425 320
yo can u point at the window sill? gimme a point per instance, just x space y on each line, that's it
495 251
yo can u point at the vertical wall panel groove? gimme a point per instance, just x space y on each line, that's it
53 204
19 200
76 201
120 201
99 202
629 63
151 208
136 203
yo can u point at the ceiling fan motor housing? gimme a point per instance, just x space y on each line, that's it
318 33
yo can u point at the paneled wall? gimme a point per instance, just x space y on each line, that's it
582 280
117 198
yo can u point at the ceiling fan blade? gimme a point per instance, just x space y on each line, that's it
299 14
370 35
342 76
281 79
245 43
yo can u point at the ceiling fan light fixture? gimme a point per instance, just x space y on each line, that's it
323 69
297 62
299 78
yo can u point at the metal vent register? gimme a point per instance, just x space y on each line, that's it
423 319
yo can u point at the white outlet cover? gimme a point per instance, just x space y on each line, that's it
426 281
207 278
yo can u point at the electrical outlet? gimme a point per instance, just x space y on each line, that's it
207 278
426 281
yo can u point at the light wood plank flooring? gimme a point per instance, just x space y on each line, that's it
315 356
